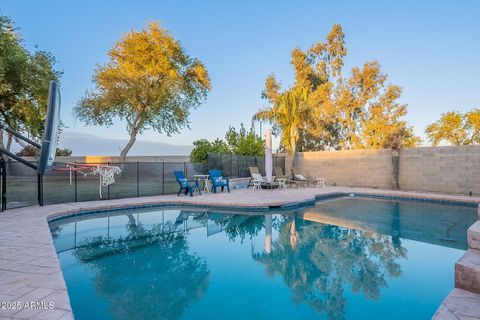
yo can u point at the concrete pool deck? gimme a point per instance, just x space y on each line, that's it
30 270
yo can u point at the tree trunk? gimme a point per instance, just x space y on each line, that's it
133 138
135 127
293 144
131 221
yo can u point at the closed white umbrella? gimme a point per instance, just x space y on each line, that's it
268 156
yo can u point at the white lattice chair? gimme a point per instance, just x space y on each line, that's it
320 183
257 181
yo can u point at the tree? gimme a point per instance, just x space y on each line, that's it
24 84
150 82
245 142
31 151
288 112
370 115
324 110
202 147
63 152
309 142
456 128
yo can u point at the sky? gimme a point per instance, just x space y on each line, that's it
429 48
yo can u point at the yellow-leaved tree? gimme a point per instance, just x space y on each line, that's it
456 128
149 81
326 111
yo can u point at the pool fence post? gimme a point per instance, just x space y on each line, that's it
108 187
206 165
246 165
138 180
163 177
40 189
76 188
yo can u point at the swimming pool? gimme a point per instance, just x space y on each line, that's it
343 258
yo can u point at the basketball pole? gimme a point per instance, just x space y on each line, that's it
20 136
12 155
3 168
19 159
47 148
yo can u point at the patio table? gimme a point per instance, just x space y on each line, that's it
204 179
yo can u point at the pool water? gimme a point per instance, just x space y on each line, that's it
345 258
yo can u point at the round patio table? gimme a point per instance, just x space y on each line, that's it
204 179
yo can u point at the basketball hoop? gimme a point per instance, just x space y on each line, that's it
106 173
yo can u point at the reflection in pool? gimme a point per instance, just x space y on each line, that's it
346 258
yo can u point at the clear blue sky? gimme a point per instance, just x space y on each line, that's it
430 48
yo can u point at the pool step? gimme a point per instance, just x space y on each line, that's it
459 304
473 236
467 271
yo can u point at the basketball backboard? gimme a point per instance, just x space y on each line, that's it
52 123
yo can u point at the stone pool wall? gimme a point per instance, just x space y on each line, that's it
448 169
463 302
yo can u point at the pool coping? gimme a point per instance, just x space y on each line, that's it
287 205
30 270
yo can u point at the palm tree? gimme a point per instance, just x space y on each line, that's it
289 113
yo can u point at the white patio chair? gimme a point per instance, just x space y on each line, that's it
257 181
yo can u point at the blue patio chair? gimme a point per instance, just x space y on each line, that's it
218 180
186 186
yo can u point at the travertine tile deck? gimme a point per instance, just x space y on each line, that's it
459 304
29 267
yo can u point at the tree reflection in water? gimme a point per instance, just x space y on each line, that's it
316 261
153 266
248 226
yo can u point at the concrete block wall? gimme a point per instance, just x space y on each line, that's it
451 169
448 169
352 168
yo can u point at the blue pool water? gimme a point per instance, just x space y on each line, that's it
344 258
